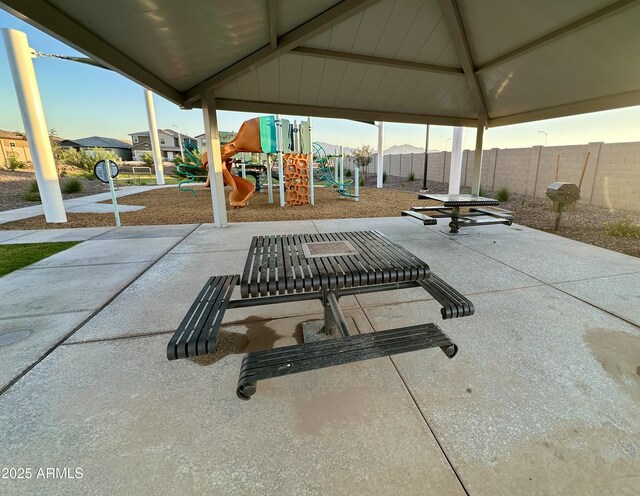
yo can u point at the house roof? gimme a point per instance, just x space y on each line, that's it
11 135
170 132
450 62
97 142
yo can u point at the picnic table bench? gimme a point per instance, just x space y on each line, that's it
478 214
326 267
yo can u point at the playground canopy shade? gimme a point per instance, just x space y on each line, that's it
449 62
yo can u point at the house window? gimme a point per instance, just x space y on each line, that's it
11 143
162 141
135 139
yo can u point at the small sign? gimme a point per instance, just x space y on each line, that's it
328 249
100 170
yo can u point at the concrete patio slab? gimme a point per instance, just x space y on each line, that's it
102 208
238 236
552 258
543 391
109 251
9 235
172 284
125 232
619 295
40 334
392 227
57 235
151 426
51 290
466 270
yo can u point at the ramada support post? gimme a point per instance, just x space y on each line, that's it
153 137
455 168
477 158
380 158
215 158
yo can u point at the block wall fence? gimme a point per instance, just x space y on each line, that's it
611 179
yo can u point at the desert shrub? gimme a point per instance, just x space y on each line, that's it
362 181
482 192
623 228
33 192
411 177
502 195
11 162
147 159
384 177
72 186
83 159
348 173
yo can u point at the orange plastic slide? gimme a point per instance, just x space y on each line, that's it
247 140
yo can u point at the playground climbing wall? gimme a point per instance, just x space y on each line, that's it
296 179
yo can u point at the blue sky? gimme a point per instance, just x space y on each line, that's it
81 101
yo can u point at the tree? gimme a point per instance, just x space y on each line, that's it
363 158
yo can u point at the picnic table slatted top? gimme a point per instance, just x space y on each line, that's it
459 200
327 261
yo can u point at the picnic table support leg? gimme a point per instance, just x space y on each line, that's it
334 324
455 220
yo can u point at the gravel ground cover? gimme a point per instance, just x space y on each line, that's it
585 223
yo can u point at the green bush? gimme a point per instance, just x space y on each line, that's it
11 162
348 172
362 181
384 177
83 159
411 177
147 159
32 193
72 186
623 228
482 192
502 195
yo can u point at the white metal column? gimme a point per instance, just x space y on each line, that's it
153 135
455 169
280 147
24 80
311 191
380 164
212 138
477 159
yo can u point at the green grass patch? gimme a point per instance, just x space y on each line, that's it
502 195
14 257
623 228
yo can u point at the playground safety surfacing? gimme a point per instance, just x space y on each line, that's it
543 397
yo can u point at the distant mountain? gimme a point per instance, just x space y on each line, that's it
395 149
334 149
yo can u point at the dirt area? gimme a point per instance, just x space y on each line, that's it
584 223
14 183
170 206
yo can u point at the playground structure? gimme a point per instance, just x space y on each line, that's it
331 171
262 135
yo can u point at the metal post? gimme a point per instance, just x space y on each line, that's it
341 164
180 142
380 164
426 161
477 159
244 170
455 168
280 164
212 137
311 192
24 80
269 179
153 135
357 186
107 164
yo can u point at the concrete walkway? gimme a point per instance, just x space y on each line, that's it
543 397
75 203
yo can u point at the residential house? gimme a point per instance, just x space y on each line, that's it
169 143
121 148
15 145
225 137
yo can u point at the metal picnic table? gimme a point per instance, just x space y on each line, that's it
478 214
325 266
